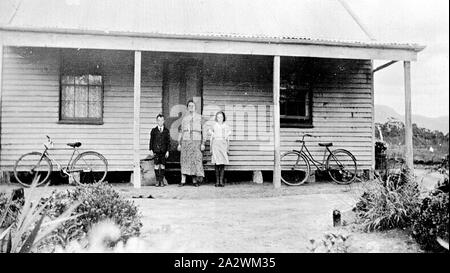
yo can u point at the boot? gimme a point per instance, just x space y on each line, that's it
222 175
217 169
183 181
157 177
194 181
161 175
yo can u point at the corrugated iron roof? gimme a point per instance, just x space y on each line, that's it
321 21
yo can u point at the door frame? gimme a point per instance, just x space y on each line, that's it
182 60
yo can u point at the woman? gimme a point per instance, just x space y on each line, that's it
220 140
190 144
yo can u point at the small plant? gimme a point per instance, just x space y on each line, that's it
389 203
105 236
331 243
30 228
380 147
443 184
9 210
431 224
443 243
98 202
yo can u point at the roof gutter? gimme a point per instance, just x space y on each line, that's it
220 37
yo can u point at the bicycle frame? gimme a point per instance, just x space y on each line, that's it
331 163
54 161
319 165
79 167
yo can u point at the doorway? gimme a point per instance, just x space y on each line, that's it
182 81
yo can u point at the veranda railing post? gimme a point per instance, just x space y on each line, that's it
136 120
276 122
408 118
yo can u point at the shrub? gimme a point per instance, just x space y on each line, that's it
99 202
389 203
9 210
29 226
331 243
103 237
443 185
431 221
380 147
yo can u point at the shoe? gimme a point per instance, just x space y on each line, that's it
216 185
196 185
157 185
181 185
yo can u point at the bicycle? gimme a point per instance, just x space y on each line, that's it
295 164
87 167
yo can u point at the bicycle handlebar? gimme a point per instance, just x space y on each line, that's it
303 137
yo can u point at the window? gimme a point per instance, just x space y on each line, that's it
81 99
297 78
295 107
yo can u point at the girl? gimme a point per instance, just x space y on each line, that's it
220 140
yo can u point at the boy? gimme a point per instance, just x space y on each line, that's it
159 148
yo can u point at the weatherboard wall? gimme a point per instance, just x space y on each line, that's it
342 107
30 106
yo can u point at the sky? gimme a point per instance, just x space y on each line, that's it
418 21
425 22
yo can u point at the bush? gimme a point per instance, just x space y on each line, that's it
9 210
431 220
98 202
28 227
100 237
443 185
389 203
380 147
331 243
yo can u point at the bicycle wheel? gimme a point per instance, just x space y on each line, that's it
295 168
30 166
341 166
89 167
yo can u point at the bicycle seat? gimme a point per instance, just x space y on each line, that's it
326 144
73 145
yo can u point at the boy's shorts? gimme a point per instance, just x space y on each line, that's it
160 158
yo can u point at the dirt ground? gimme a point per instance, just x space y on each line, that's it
269 224
209 219
247 217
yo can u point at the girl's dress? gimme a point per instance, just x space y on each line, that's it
220 135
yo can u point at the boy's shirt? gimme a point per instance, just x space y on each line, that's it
159 140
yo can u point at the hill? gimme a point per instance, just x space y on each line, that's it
383 113
429 146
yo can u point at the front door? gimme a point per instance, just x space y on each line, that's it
182 81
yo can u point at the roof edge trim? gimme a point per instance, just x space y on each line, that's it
223 37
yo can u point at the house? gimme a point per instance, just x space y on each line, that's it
100 71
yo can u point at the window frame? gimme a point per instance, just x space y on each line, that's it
79 120
287 121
